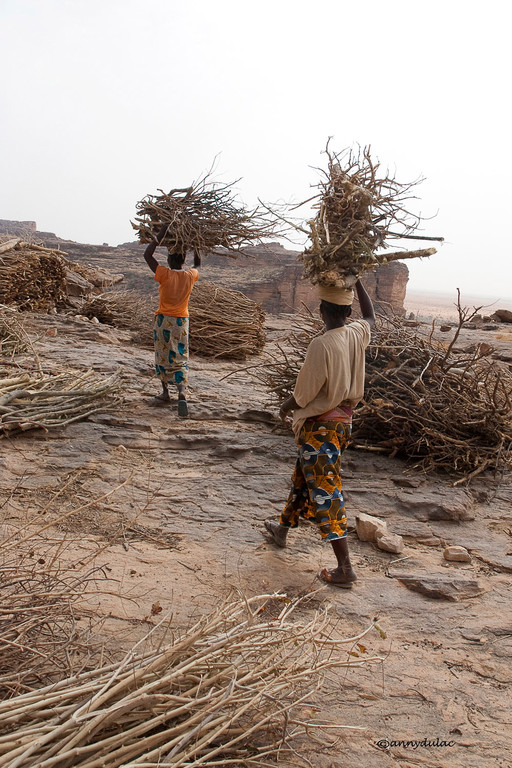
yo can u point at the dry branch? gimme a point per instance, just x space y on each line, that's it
201 217
221 693
448 411
357 212
30 402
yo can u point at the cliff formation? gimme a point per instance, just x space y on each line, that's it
269 274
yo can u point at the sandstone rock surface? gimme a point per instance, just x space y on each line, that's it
186 530
442 587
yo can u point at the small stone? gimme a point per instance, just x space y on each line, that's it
445 328
407 482
390 542
95 320
51 332
442 587
368 527
457 554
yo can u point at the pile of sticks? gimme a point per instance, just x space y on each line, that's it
46 401
13 337
225 323
357 212
122 309
40 640
447 411
31 277
200 218
227 692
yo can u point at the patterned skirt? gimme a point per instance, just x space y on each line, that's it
316 492
170 335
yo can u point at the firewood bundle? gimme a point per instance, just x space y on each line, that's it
200 218
122 309
225 323
45 401
31 277
228 691
357 212
447 411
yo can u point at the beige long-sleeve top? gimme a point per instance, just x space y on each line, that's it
332 373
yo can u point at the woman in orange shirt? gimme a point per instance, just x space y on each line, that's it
170 330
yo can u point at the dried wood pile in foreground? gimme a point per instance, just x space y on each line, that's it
226 692
200 218
357 211
40 639
447 411
31 277
44 401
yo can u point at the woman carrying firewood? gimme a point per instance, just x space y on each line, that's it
170 330
329 384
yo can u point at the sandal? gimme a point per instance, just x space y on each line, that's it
182 407
325 576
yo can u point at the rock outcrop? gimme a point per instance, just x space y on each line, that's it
270 274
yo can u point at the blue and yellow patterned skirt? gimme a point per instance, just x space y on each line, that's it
170 335
316 492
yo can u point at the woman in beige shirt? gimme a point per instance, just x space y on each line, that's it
329 385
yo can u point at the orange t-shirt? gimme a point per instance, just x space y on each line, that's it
175 288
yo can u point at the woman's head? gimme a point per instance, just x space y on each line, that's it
175 259
334 315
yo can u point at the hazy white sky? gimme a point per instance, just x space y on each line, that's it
104 101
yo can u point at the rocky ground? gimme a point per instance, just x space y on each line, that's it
187 527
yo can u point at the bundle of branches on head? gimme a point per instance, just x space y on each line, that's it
358 211
201 218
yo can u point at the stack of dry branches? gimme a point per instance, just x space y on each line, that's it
31 277
451 411
41 402
122 309
39 637
200 218
13 338
221 694
357 212
225 323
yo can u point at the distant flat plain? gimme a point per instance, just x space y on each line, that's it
430 305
